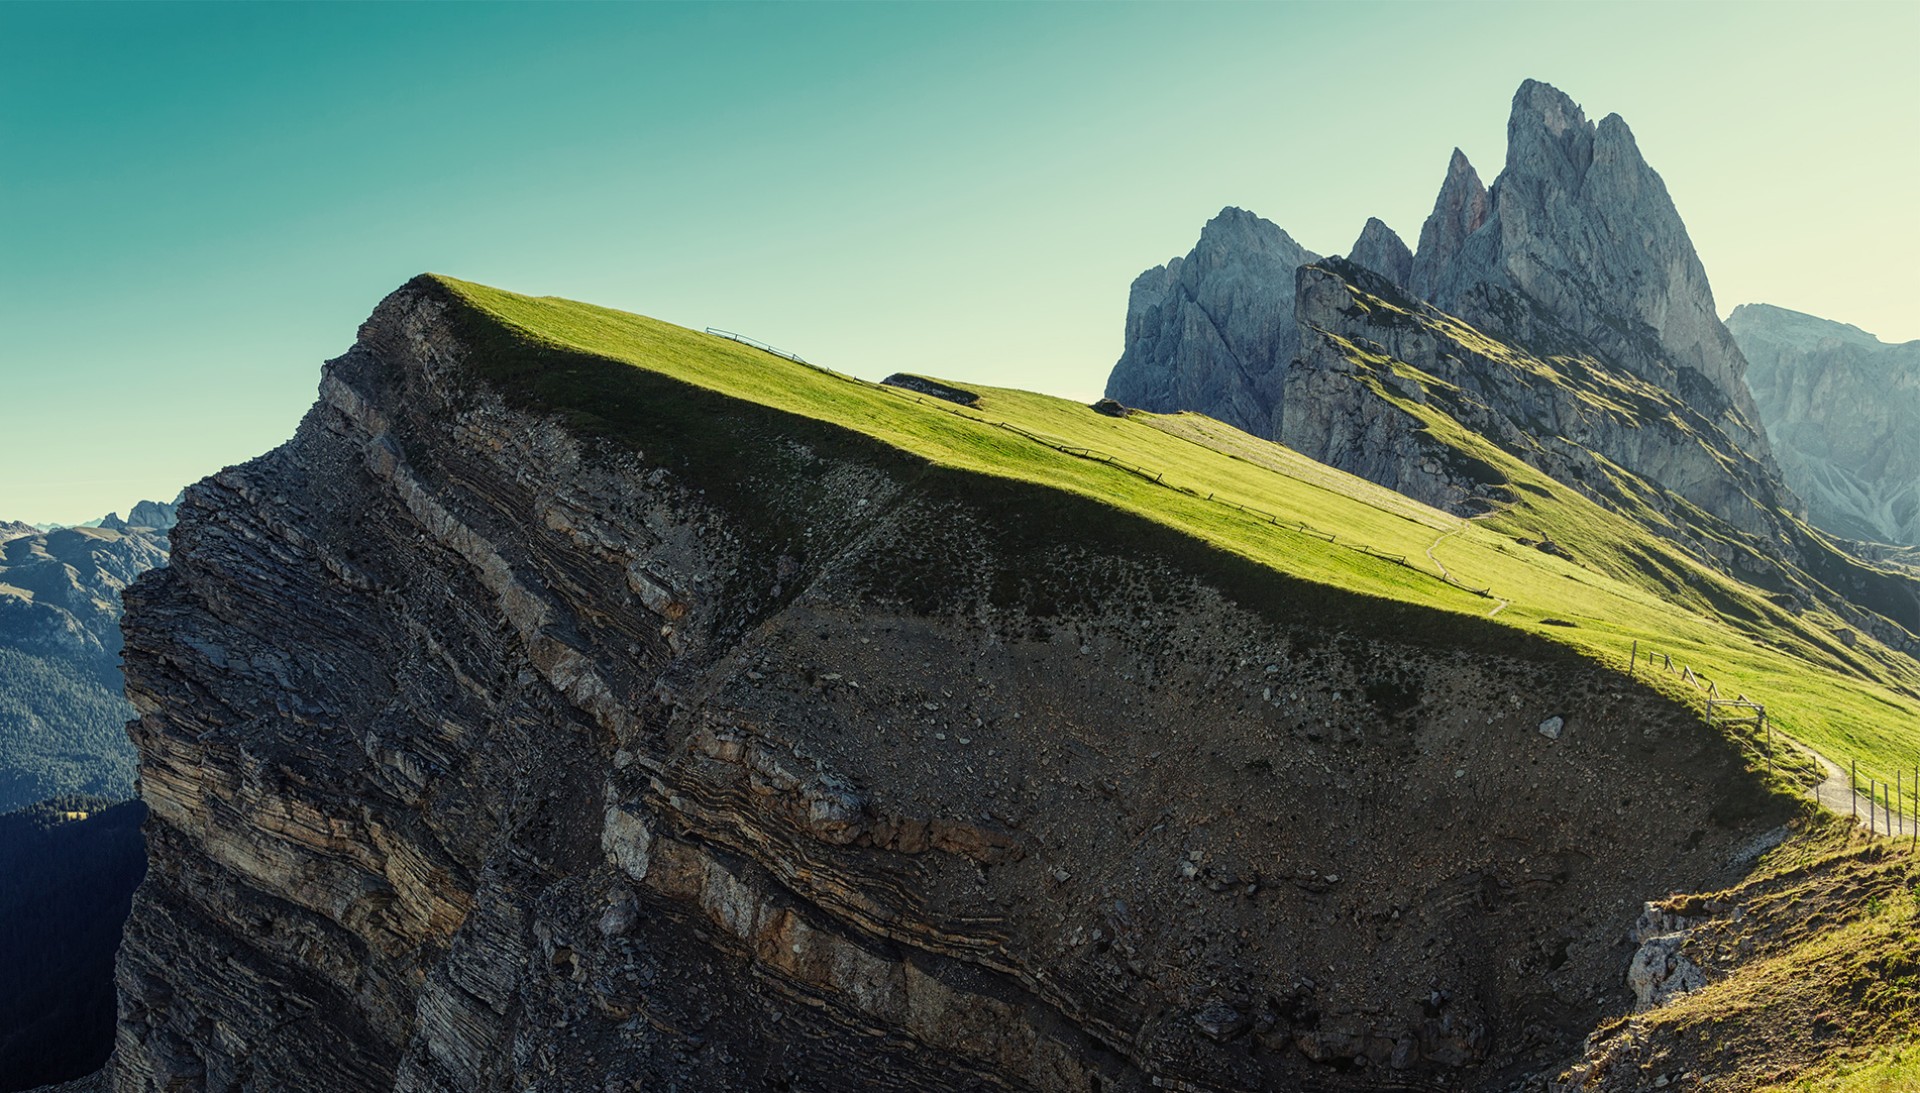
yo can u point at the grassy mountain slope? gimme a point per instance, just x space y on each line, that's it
1247 497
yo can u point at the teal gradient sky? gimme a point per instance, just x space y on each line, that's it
198 204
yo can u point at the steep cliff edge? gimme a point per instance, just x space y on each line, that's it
532 720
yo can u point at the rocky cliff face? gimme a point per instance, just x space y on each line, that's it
1582 249
485 756
1215 329
1399 392
1840 407
1458 212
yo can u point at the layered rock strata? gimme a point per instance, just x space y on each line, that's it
483 756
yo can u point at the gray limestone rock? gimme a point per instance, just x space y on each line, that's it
1458 212
1380 250
1213 331
1582 248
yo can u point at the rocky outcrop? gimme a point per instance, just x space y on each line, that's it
157 515
1840 408
1213 331
1459 211
1568 312
484 754
1661 970
1582 250
1381 251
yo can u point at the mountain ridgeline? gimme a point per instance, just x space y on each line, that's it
1840 407
1560 315
62 714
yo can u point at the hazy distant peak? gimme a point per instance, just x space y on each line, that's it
1796 327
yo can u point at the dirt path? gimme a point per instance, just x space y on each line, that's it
1837 794
1447 575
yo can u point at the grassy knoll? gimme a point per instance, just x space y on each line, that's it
1625 585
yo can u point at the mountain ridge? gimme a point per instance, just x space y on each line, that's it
62 713
845 685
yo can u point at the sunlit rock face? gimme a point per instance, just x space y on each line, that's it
1213 331
1842 409
483 756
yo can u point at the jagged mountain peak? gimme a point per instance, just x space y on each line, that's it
1380 249
1458 211
1797 326
1236 227
1212 328
1541 107
1583 251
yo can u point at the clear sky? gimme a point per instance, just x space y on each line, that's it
199 203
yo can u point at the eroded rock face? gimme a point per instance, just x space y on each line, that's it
1458 212
1581 226
481 757
1213 331
1840 407
1576 250
1583 251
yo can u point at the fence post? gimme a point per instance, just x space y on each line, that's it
1899 796
1769 727
1853 790
1633 658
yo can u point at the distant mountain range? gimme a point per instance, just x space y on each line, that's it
62 712
1841 408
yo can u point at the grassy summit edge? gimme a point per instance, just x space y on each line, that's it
699 402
